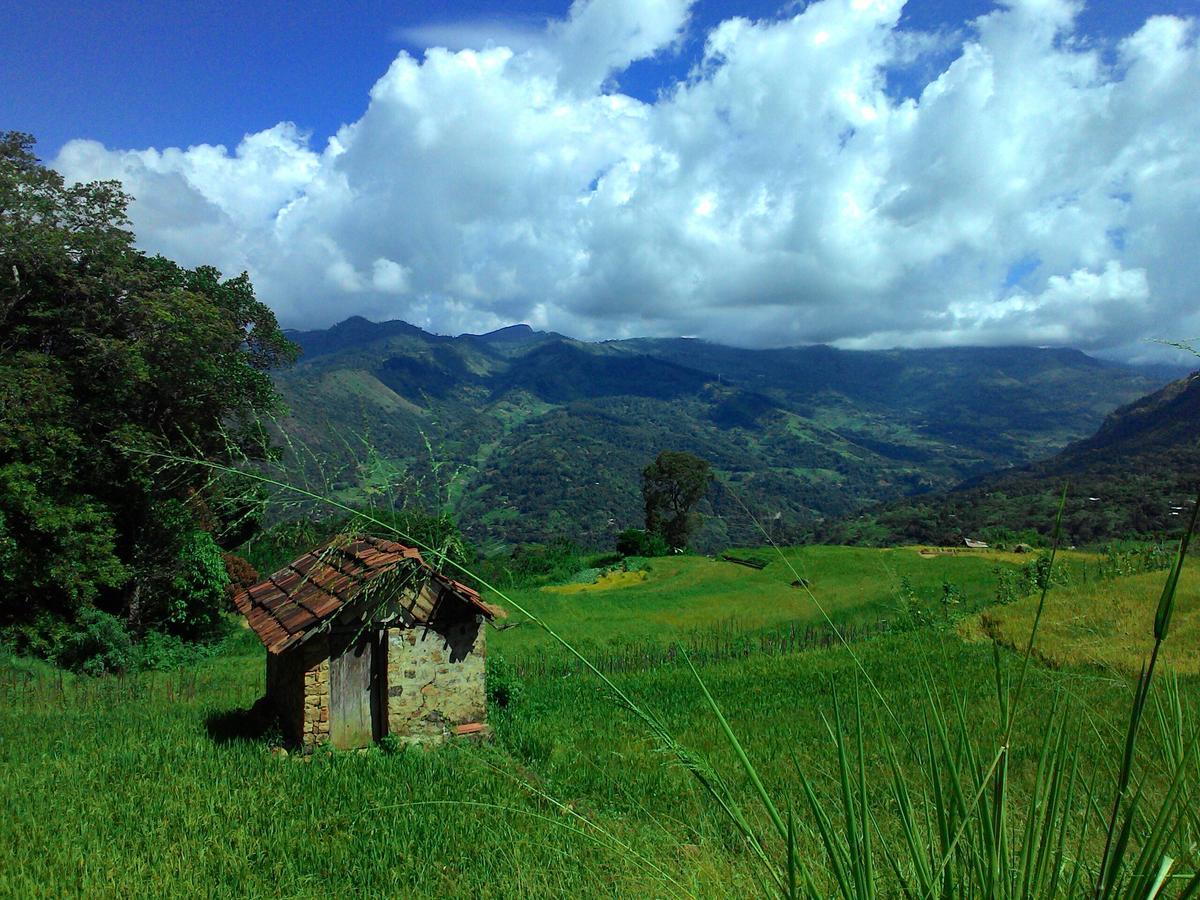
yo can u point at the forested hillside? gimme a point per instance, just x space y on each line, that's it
534 435
1136 476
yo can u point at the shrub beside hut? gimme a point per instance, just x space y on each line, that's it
366 639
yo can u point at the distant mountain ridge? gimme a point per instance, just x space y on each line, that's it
1137 475
516 334
1165 420
547 435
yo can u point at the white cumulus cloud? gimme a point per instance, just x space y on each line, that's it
1041 187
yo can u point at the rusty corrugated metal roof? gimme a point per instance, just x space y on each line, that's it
313 588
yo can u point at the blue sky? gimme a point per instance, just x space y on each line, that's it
149 74
867 173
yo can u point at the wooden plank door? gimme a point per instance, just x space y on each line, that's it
353 690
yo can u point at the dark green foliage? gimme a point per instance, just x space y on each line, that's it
98 644
503 685
273 548
639 542
106 351
1133 478
158 650
561 372
390 745
197 587
533 564
1000 537
672 485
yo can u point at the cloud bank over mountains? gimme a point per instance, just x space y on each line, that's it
1036 188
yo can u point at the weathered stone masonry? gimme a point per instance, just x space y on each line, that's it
298 688
435 678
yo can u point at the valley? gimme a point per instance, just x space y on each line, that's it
525 435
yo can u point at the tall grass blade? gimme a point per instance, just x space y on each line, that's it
791 856
1166 603
1111 859
740 752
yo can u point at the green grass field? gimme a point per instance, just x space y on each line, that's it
686 594
1103 624
154 785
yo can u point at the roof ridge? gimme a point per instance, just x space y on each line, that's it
316 586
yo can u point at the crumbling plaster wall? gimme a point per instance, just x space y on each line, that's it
435 678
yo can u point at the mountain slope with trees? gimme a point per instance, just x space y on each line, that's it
528 436
1137 476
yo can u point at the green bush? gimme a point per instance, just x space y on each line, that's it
912 611
159 650
99 645
639 542
533 564
503 685
999 537
585 576
1013 584
1133 558
390 745
197 590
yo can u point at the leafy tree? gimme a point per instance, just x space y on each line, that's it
672 485
103 349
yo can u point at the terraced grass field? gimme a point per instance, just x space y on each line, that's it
685 594
160 785
1102 624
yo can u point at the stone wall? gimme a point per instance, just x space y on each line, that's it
316 702
298 690
434 681
435 678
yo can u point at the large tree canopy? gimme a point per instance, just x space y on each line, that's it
103 351
672 485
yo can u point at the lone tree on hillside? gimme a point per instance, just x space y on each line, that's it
672 485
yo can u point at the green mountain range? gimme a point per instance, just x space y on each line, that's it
1138 475
529 436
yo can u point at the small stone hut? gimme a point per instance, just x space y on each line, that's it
365 639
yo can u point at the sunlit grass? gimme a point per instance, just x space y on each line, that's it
1104 624
136 795
684 594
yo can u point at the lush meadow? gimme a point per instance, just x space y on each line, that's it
1102 624
160 783
683 595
